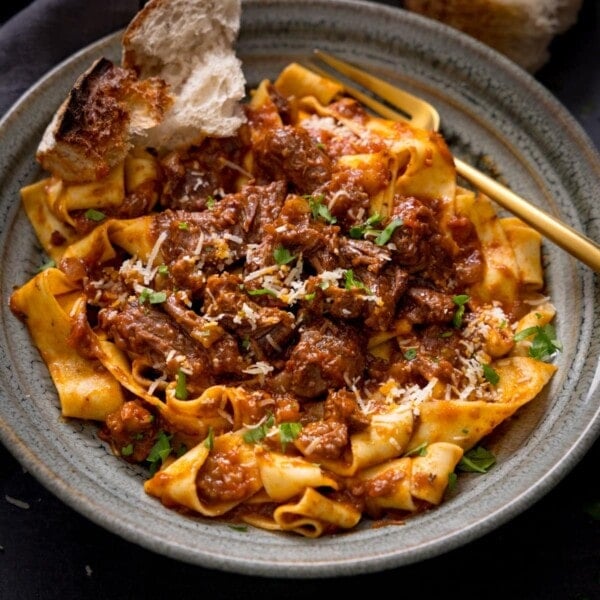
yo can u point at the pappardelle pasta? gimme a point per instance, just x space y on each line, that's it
300 327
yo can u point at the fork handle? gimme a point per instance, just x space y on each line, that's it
563 235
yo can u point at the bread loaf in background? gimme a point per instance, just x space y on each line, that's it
520 29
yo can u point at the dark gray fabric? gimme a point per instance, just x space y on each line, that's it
46 32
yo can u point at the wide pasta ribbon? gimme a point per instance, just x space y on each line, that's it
50 303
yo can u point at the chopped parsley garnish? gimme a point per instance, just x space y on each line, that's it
310 296
181 392
127 450
152 297
163 270
210 439
544 343
410 354
460 300
183 225
490 374
384 237
160 451
420 450
242 528
477 460
210 202
350 282
320 210
262 292
49 264
452 479
255 434
358 231
94 215
288 432
282 255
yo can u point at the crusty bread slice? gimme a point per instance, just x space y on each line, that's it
179 82
519 29
190 44
92 129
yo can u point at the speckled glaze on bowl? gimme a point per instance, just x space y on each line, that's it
489 108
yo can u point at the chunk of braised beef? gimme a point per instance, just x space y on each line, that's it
266 328
299 231
342 405
333 300
468 263
147 333
210 170
363 253
220 346
328 355
424 305
346 198
321 440
412 241
130 430
289 154
284 107
263 204
387 289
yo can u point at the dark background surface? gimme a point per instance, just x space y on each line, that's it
551 551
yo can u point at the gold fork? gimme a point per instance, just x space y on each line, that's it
422 114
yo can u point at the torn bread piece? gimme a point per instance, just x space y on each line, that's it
179 82
92 130
190 44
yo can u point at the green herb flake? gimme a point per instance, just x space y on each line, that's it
152 297
544 343
49 264
127 450
452 481
410 354
288 432
420 450
282 255
160 451
477 460
384 237
210 203
94 215
351 282
181 392
163 270
262 292
460 300
183 225
358 231
490 374
310 296
320 210
255 434
209 442
242 528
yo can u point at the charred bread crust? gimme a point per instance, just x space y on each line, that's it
92 130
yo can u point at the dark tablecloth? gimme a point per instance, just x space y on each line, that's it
48 551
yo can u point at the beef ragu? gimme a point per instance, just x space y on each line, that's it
301 322
309 314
